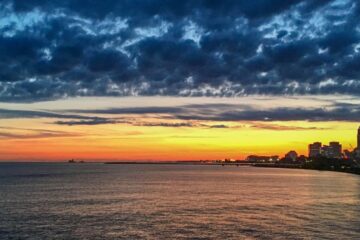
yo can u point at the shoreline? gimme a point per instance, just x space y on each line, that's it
350 171
237 164
355 171
179 163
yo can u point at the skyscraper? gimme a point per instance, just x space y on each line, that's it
335 150
314 149
326 151
356 152
358 138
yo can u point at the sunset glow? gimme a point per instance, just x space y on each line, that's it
153 134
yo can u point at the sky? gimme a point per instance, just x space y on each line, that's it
176 80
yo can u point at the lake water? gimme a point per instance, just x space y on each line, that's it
98 201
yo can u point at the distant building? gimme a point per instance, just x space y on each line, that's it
315 149
325 151
262 159
291 155
301 159
358 138
229 160
335 150
349 154
356 152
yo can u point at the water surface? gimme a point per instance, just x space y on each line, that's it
98 201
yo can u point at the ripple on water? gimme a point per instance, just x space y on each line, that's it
94 201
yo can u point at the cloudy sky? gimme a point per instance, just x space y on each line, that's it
166 80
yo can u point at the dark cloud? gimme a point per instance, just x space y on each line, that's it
107 61
52 49
164 124
96 121
278 114
34 133
179 124
65 118
134 110
238 112
197 115
9 114
71 119
278 127
219 126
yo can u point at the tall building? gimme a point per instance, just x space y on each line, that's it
315 149
356 152
358 138
335 149
325 151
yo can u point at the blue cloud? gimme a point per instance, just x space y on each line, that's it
54 49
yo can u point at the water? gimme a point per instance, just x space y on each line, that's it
97 201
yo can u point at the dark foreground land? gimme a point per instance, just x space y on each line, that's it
319 163
353 170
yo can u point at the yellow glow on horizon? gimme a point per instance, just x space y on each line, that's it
127 142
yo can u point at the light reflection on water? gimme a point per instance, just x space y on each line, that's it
97 201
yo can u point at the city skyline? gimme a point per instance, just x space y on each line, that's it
317 149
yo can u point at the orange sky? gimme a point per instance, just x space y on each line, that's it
39 139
